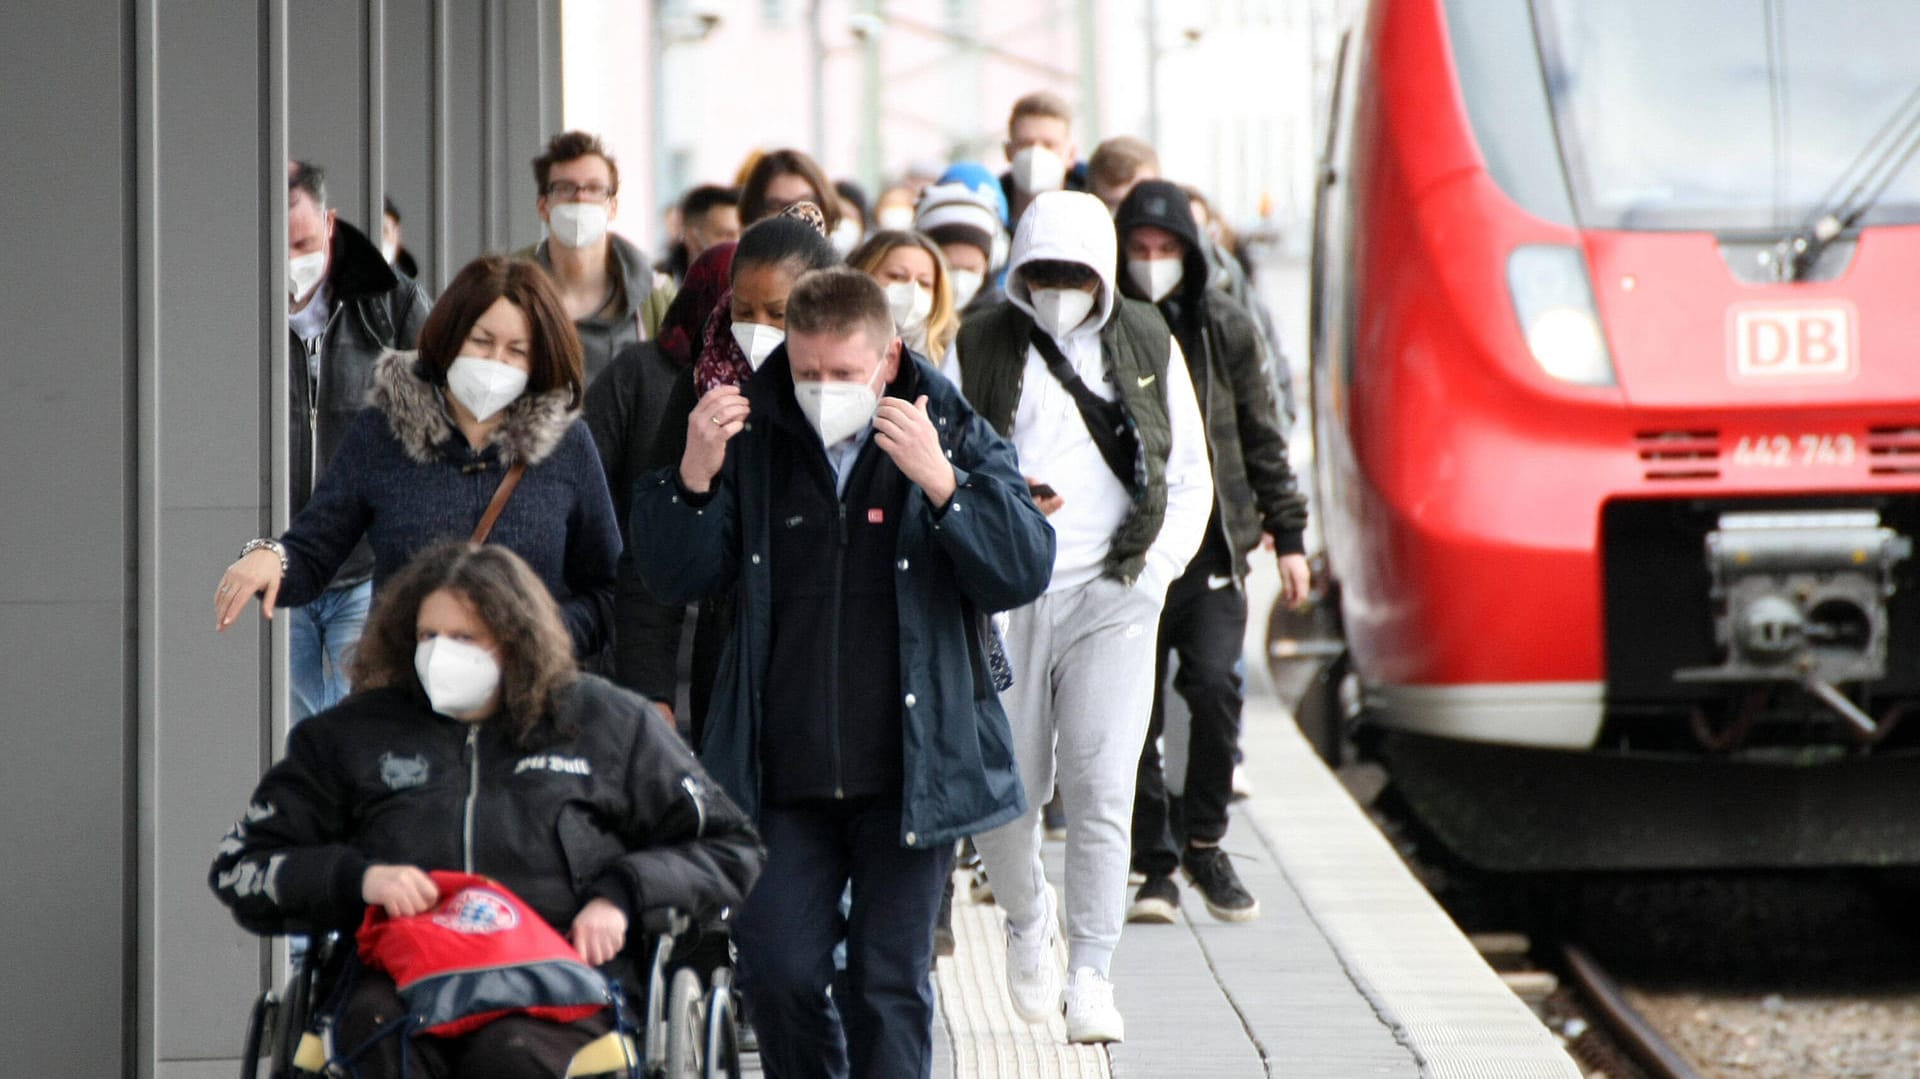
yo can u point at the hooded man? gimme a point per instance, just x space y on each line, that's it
1164 263
1096 397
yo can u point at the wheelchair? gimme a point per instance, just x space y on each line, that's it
686 1028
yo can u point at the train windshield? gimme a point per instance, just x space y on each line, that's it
1735 116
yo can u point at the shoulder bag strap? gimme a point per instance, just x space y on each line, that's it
500 495
1106 420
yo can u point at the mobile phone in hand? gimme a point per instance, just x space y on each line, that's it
1041 491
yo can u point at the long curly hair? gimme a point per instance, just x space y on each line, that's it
536 654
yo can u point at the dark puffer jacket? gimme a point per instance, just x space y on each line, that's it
988 549
616 809
374 310
406 478
1254 486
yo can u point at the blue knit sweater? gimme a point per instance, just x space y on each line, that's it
406 478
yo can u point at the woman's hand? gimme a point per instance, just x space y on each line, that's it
255 574
599 932
720 415
402 890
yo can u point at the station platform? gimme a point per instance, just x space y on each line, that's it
1351 969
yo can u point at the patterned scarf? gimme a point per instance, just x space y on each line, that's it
700 292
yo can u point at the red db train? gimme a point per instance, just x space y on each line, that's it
1616 382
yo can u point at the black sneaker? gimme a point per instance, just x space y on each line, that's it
1211 871
1156 903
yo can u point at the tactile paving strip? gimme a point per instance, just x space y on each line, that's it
989 1041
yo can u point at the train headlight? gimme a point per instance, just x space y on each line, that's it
1554 301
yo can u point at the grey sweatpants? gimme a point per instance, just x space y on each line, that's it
1082 691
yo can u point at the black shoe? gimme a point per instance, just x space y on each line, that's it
1156 903
1211 872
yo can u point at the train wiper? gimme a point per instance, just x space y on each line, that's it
1872 171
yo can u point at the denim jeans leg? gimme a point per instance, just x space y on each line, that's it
321 639
346 621
785 936
888 1007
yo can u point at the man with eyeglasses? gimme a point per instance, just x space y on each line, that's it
604 279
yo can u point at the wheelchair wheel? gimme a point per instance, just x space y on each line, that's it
686 1026
262 1019
723 1032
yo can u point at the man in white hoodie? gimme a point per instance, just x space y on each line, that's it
1096 397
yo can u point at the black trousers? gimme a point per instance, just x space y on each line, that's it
514 1047
878 1022
1205 626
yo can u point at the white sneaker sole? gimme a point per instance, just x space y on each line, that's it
1151 912
1096 1033
1228 914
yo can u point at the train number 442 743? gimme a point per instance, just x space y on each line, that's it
1795 451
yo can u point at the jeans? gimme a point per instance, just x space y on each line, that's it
878 1022
323 634
1205 627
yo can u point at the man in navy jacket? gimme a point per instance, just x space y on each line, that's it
873 525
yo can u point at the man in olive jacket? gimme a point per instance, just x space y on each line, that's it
873 525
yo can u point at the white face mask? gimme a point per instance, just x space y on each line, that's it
577 224
388 251
845 236
966 285
836 410
484 386
899 218
910 304
1156 277
304 273
1037 169
757 340
459 677
1060 310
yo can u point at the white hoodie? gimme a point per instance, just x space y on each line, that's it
1052 439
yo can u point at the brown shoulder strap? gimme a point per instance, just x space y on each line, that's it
500 495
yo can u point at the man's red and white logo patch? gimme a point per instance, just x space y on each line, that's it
476 910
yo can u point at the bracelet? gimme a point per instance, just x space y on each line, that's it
270 544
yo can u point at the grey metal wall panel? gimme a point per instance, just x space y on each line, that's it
326 84
63 582
211 427
409 126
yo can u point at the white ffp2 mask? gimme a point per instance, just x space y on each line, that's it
1156 277
757 341
304 273
578 224
836 410
1037 169
966 285
910 305
459 676
484 386
1060 310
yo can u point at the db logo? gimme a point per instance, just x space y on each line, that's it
1811 342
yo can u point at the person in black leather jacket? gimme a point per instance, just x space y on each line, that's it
346 307
472 743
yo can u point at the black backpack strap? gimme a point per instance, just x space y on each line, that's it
1106 420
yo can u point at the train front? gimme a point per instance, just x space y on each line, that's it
1620 425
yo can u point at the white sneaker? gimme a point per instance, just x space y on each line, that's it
1091 1016
1033 969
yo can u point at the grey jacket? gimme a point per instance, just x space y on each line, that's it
603 335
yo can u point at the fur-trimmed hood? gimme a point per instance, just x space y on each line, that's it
418 415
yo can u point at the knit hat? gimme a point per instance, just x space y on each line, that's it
981 181
955 213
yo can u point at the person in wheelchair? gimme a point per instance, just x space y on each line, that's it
473 744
